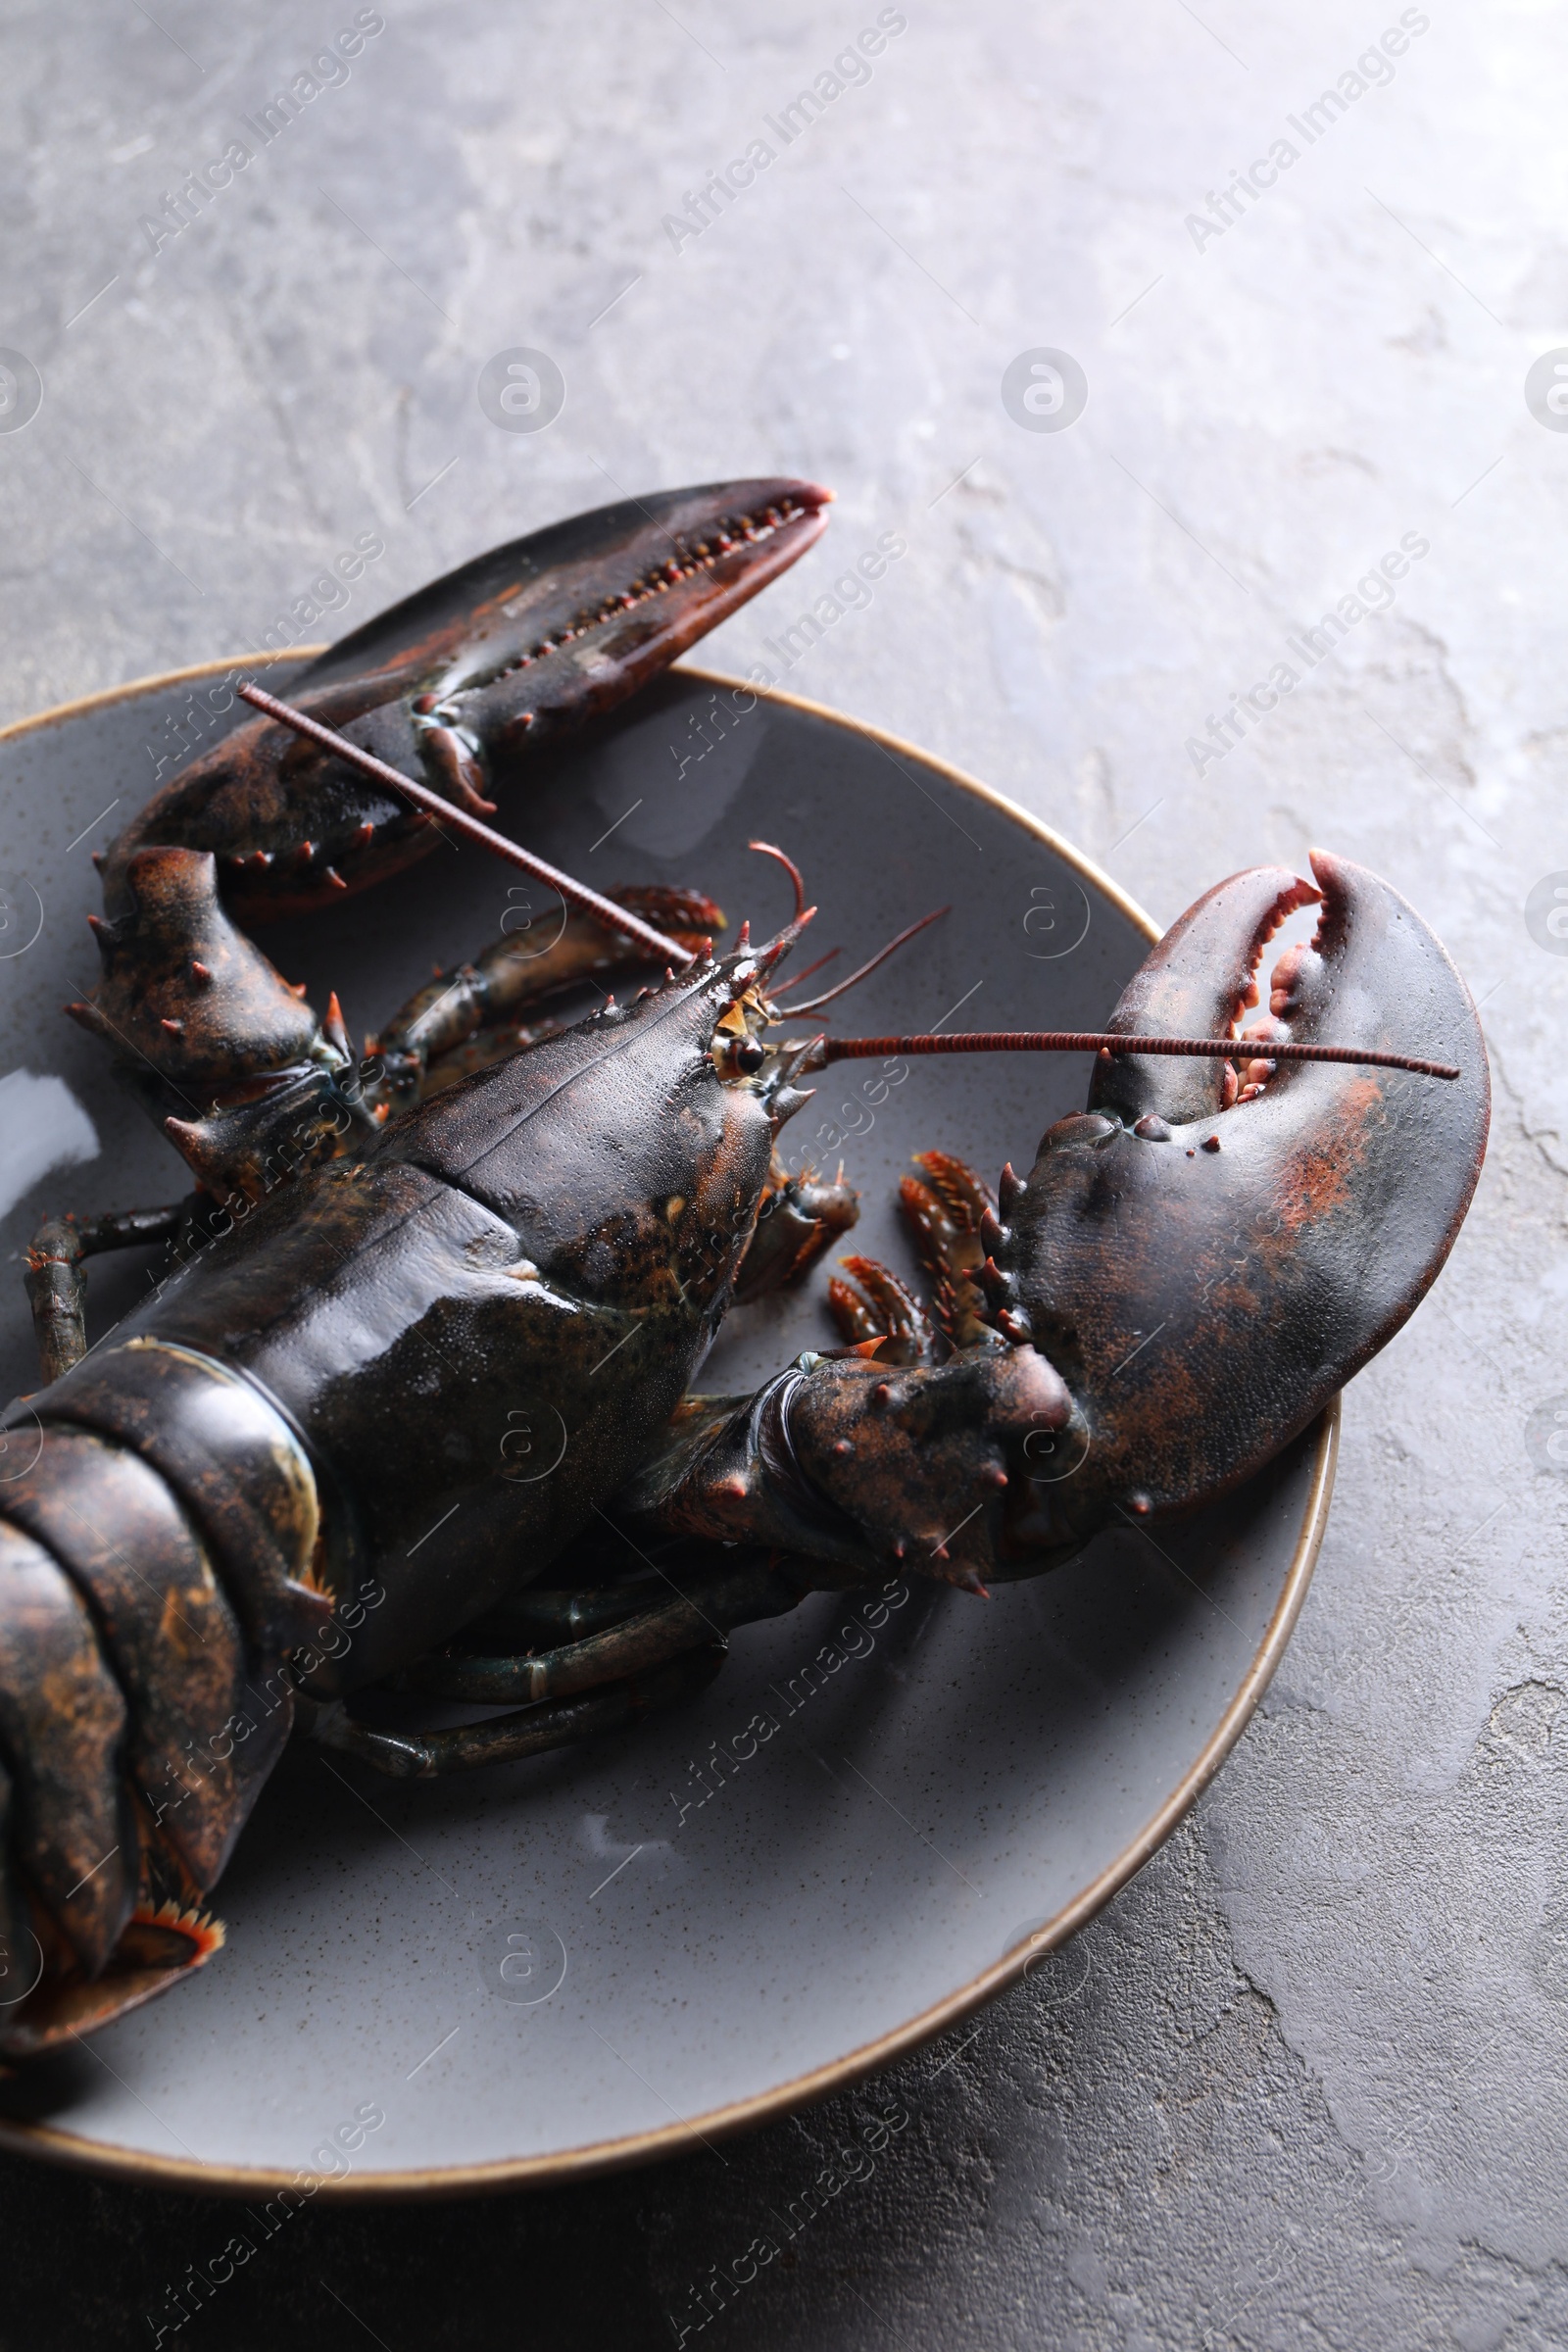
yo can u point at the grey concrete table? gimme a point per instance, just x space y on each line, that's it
1303 2084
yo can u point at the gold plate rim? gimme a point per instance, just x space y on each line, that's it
71 2150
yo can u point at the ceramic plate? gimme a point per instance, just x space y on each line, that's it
877 1816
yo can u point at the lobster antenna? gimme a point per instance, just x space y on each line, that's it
1104 1041
809 970
767 849
576 893
816 1004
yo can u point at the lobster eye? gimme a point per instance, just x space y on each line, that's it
750 1054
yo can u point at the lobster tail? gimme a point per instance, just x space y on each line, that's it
143 1695
63 1724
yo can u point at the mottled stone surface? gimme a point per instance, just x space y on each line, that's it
1310 2091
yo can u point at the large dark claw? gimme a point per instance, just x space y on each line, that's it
513 651
1192 1268
1208 1278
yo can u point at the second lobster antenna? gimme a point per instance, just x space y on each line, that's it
822 1050
769 849
816 1004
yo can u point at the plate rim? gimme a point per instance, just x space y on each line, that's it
77 2153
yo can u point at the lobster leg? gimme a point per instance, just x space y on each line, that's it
651 1638
765 1584
464 1019
56 1286
530 1731
521 1619
653 1657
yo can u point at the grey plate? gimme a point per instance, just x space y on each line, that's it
594 1958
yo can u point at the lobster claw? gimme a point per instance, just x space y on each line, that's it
1192 1268
511 652
1207 1277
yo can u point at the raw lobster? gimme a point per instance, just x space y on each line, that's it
306 1466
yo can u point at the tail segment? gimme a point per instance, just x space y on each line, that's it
154 1558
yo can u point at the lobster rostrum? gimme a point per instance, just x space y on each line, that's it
417 1415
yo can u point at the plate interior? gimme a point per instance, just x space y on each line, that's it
874 1803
